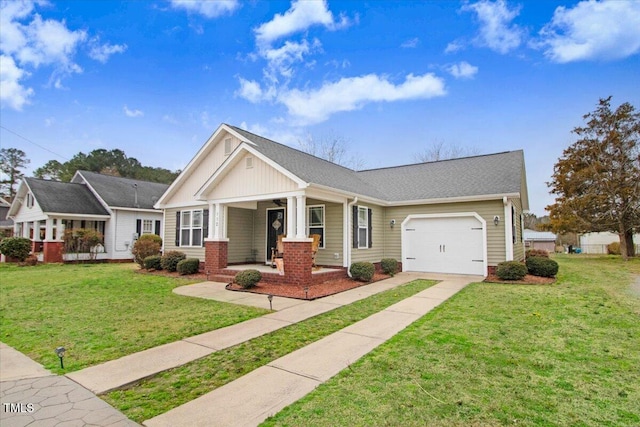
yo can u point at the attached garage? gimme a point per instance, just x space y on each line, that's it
445 243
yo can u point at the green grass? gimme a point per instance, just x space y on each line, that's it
100 312
177 386
566 354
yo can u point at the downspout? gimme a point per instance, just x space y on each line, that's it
349 228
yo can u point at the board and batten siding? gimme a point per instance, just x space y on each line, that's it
251 176
169 241
376 252
240 230
486 209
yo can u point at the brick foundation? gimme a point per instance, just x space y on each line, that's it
215 255
52 252
297 262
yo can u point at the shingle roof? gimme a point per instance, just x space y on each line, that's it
539 235
121 192
4 221
490 174
65 197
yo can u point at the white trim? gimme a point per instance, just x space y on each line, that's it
403 240
267 255
63 215
191 228
136 209
256 198
508 235
324 224
366 243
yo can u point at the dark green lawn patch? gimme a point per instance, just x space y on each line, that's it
100 312
559 355
177 386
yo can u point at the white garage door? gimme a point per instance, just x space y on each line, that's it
444 244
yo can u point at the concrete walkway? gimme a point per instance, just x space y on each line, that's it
269 389
135 367
32 396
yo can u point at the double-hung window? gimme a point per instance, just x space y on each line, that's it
362 227
147 226
315 215
191 228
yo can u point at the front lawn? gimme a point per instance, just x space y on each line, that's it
566 354
100 312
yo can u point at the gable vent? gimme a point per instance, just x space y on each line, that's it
249 162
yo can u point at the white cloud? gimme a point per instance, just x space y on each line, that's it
593 30
411 43
496 30
462 70
250 90
12 93
132 113
301 15
101 53
347 94
207 8
280 61
454 46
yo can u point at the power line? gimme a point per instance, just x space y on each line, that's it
30 141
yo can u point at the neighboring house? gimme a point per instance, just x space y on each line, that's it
6 224
119 208
596 243
544 240
241 191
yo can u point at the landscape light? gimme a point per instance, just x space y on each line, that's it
60 353
270 297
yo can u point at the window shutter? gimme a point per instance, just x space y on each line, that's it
177 228
139 227
205 224
355 227
370 233
157 227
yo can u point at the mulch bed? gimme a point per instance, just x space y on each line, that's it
319 290
527 280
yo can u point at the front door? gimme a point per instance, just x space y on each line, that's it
275 227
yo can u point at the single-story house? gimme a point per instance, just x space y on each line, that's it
544 240
241 191
121 209
597 242
6 224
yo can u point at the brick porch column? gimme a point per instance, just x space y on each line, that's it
297 261
52 251
215 254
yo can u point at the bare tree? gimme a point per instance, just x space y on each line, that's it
441 151
333 148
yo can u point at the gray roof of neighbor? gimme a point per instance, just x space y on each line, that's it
121 192
490 174
65 197
4 221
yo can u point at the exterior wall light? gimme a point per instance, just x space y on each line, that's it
496 220
392 223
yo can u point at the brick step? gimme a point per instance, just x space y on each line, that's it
222 278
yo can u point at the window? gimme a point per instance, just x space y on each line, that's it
29 200
315 218
147 226
227 146
514 228
363 227
191 228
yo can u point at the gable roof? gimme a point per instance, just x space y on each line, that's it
118 192
539 235
64 197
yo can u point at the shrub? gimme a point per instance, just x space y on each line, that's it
188 266
537 252
170 260
153 262
362 271
543 267
83 240
145 247
31 260
151 237
16 247
613 248
248 278
389 266
511 270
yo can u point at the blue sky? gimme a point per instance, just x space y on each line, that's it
156 78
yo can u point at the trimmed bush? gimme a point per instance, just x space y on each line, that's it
511 270
170 260
16 247
153 262
389 266
31 260
362 271
543 267
188 266
248 278
144 247
613 248
537 252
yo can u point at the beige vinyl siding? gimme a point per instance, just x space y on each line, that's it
260 178
199 175
486 209
376 252
170 235
518 246
260 230
240 223
332 233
